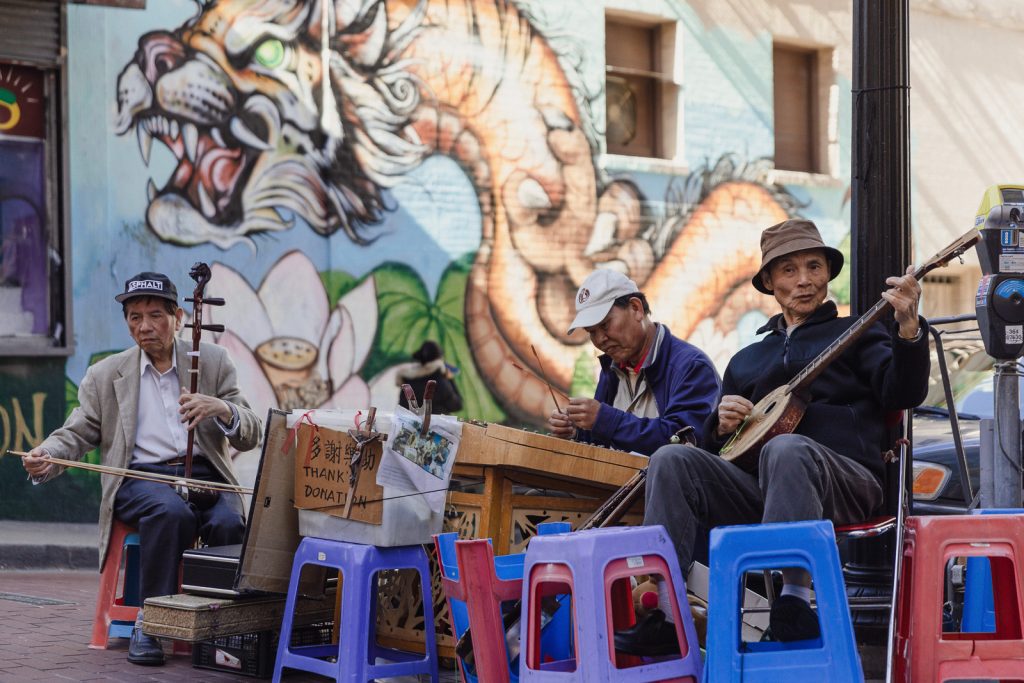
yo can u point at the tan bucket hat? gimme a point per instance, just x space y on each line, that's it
795 234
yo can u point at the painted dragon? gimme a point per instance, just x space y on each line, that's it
312 107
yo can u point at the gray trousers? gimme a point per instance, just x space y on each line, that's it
691 491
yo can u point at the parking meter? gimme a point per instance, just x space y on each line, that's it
999 305
999 302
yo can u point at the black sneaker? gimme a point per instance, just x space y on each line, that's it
144 650
792 619
652 636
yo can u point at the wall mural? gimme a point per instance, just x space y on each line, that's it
367 174
281 113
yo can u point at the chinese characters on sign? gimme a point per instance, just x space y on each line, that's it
324 477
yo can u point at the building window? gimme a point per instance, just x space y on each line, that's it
34 308
798 107
634 87
24 286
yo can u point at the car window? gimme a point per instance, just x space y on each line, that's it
971 373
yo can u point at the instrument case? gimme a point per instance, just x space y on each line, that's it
211 571
262 563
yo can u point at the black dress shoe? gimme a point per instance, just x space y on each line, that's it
792 619
144 650
652 636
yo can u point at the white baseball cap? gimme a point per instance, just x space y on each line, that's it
597 294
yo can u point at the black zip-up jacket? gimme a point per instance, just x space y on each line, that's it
847 403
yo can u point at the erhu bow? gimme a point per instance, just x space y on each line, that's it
201 498
177 482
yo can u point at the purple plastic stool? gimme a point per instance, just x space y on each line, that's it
357 650
591 564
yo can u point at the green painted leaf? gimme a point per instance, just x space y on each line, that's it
407 318
338 283
584 376
478 402
840 287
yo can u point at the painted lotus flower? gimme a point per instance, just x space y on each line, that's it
290 348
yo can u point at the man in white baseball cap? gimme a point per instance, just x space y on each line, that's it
652 385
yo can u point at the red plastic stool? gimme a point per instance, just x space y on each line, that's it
483 592
115 618
923 652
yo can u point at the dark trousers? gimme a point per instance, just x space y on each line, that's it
168 525
690 491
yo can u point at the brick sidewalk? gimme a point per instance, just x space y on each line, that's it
48 641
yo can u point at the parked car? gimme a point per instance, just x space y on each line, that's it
937 483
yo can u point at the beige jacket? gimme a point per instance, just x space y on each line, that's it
108 408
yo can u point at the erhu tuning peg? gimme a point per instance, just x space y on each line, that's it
208 300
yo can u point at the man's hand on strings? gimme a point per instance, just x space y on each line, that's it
37 463
732 411
582 412
904 295
560 425
197 407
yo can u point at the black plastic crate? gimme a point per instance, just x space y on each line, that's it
252 654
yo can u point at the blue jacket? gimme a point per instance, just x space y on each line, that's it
685 387
847 403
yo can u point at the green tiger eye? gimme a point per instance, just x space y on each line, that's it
270 53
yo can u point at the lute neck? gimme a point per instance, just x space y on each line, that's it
844 341
804 378
810 373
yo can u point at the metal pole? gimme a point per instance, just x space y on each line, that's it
1006 460
880 173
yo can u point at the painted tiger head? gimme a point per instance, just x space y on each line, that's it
273 107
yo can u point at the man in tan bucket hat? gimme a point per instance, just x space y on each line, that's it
831 466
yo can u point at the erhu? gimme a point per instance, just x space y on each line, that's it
201 498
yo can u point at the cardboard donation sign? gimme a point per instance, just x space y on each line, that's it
323 477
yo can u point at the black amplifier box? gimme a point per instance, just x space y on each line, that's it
211 571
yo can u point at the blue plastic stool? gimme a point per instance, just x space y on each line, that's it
357 650
595 566
979 606
556 636
736 550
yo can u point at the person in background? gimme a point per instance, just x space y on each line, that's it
428 364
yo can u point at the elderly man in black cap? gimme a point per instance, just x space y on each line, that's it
831 466
135 406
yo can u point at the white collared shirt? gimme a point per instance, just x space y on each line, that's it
159 434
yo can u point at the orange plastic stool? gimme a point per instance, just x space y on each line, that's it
110 607
923 652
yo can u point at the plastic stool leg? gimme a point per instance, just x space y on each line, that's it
108 608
